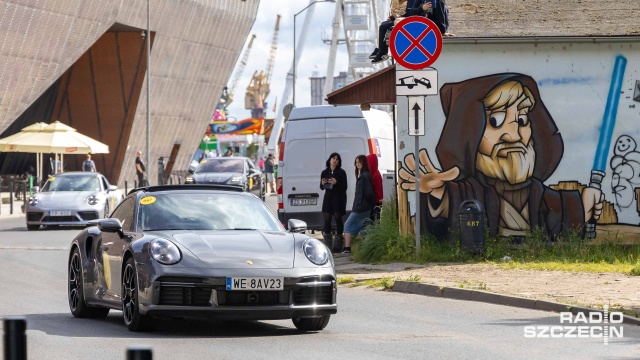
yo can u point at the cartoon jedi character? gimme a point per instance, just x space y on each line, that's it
499 144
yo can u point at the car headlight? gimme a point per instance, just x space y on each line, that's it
189 180
164 251
34 200
315 251
93 200
235 179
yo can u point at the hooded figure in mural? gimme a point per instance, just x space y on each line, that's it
499 144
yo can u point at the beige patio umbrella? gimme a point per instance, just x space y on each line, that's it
56 138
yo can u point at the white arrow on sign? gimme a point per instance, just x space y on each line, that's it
416 115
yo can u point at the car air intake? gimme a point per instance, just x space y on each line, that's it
187 296
34 215
320 295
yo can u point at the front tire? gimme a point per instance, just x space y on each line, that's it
130 306
77 305
33 227
311 323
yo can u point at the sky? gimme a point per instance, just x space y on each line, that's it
314 55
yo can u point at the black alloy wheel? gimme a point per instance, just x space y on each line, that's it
130 306
33 227
77 305
311 323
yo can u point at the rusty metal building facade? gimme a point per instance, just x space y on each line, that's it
83 62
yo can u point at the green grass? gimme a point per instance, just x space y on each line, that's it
386 283
384 244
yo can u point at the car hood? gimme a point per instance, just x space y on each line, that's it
240 249
213 178
63 198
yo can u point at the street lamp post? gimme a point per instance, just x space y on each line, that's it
148 92
294 45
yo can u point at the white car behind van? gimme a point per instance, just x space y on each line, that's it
310 135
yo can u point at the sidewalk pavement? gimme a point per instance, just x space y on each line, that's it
5 206
557 291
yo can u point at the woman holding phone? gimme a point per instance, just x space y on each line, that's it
333 180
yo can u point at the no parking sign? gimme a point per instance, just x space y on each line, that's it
415 42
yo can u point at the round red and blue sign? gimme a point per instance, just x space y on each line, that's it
415 42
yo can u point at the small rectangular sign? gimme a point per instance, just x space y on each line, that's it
416 82
416 115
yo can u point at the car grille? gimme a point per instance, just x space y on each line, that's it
34 215
189 296
60 219
88 215
320 295
252 298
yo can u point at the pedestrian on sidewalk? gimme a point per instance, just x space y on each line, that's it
88 165
363 202
269 166
140 169
372 160
333 180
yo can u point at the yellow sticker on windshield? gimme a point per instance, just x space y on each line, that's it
51 178
147 200
203 161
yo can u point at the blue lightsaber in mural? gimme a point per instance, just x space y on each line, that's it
606 133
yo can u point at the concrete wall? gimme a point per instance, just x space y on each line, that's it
573 77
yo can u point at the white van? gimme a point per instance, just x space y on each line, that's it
310 135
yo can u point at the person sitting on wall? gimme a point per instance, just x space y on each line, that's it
396 10
434 10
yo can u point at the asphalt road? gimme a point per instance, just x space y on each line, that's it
370 324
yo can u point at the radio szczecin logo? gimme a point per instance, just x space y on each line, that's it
594 324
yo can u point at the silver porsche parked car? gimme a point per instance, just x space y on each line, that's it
72 198
210 251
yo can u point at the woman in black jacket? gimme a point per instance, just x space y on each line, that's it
333 180
363 201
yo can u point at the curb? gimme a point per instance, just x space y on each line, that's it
492 298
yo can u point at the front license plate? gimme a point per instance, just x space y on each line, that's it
270 283
304 201
59 213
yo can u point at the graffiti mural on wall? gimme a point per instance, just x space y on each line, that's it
625 167
499 145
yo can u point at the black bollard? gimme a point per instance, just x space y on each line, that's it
126 190
139 353
11 198
135 184
15 338
24 198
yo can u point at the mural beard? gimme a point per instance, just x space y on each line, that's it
515 168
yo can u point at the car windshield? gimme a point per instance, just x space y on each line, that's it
72 183
221 165
205 211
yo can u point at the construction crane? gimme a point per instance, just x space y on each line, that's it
259 87
227 94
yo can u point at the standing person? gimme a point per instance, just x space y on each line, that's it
372 160
89 165
333 180
268 169
140 169
261 164
363 202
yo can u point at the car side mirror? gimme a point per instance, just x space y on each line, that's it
252 171
36 189
110 225
112 188
297 226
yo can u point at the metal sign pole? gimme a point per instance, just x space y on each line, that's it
417 176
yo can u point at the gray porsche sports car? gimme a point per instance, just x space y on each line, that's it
72 198
204 251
